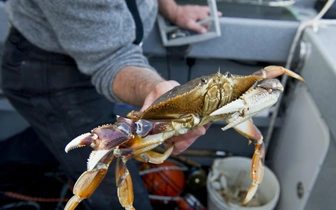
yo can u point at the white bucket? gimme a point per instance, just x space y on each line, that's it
269 189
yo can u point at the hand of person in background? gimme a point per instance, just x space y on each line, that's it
181 142
186 16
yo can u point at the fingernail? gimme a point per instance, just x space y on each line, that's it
203 30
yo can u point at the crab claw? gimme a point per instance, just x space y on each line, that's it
254 101
103 140
104 137
274 71
86 139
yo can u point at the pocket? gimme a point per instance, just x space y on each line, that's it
12 56
82 109
12 60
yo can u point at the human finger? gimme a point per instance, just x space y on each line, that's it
159 90
182 142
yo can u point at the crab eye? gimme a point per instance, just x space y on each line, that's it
228 74
143 127
203 80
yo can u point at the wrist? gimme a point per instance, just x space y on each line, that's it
132 84
169 9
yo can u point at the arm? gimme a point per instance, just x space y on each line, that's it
133 84
99 35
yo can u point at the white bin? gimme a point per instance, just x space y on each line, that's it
269 189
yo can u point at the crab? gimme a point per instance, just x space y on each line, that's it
217 97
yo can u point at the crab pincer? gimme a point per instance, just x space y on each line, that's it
103 140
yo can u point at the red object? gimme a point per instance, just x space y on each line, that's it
190 202
165 180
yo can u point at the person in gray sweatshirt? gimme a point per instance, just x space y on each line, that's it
66 63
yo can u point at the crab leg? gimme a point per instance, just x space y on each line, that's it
123 177
124 184
240 111
250 131
139 145
154 157
88 182
274 71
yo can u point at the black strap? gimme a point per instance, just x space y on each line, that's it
132 7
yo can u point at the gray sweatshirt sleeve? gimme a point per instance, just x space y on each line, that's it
98 34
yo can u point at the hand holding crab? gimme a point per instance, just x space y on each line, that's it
181 142
232 98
